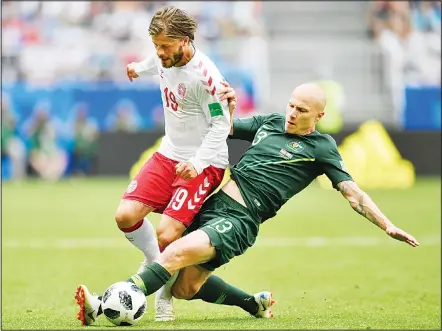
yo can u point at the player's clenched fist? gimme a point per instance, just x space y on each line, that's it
186 171
130 71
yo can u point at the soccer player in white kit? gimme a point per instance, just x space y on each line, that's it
191 160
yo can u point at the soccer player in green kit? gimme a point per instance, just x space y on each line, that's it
285 156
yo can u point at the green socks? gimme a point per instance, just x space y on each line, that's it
152 279
217 291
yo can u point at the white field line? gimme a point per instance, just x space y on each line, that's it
106 243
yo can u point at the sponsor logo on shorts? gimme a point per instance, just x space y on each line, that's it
132 186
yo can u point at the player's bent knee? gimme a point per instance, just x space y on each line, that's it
167 236
168 231
185 291
123 218
165 240
129 213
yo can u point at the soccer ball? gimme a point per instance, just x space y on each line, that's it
123 304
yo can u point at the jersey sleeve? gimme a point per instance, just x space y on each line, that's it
147 66
332 163
218 116
245 128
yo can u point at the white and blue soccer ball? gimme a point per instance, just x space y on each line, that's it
123 304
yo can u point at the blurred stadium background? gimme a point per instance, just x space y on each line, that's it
64 83
74 127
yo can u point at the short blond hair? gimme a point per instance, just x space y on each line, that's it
175 23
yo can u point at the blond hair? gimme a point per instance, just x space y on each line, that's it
175 23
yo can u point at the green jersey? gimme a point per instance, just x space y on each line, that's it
279 165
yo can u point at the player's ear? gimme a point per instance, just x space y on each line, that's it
186 41
319 116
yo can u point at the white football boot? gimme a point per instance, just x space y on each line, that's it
163 298
164 301
89 305
264 301
163 309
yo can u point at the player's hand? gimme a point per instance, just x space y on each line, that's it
399 234
185 170
228 93
130 71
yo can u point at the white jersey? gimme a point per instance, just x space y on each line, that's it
196 122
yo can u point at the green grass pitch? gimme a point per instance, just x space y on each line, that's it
328 267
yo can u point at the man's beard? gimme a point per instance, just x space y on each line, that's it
177 57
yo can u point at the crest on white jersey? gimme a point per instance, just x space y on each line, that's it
181 90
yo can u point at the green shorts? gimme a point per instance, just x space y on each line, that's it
229 225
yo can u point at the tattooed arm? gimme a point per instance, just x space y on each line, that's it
363 205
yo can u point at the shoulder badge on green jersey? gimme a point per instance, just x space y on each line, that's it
294 146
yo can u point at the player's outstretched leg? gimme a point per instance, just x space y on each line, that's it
89 304
192 249
215 290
